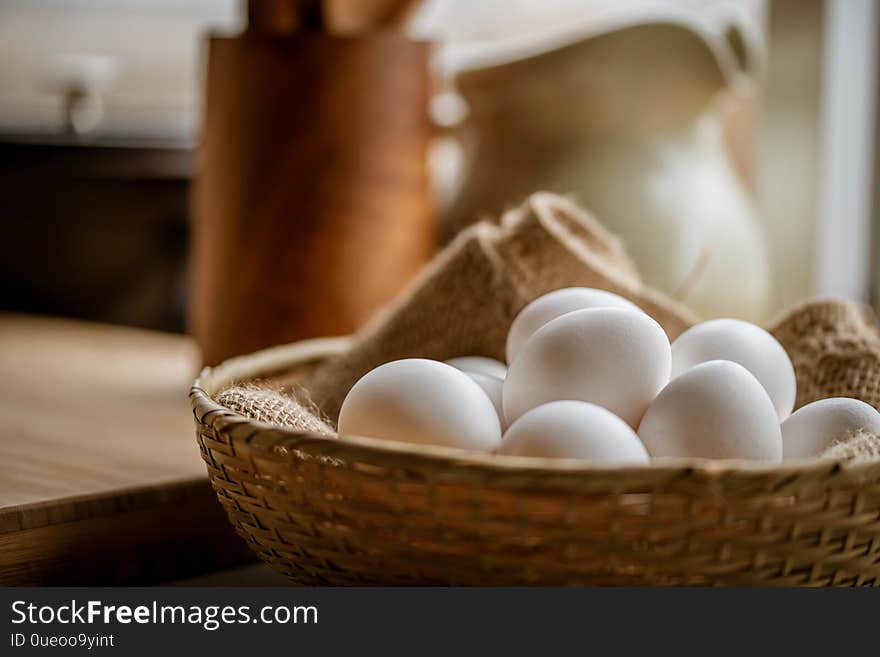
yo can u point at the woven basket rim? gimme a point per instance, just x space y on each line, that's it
277 440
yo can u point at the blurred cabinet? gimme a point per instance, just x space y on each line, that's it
95 231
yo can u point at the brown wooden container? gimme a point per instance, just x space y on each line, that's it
312 206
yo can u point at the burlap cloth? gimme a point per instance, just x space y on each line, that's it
464 302
264 402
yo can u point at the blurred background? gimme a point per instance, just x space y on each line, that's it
732 145
226 175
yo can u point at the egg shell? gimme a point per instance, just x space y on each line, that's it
813 428
616 358
493 387
716 410
480 365
744 343
573 429
555 304
421 401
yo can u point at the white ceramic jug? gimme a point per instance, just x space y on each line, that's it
628 122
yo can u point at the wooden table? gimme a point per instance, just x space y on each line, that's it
101 481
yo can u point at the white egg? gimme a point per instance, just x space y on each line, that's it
493 387
421 401
716 410
576 430
815 427
480 365
744 343
553 305
618 359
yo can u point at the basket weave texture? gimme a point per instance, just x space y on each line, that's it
361 511
354 510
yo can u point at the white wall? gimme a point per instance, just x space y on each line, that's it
152 45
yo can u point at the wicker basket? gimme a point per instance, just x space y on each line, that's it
362 511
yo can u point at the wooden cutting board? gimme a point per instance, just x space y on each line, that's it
101 481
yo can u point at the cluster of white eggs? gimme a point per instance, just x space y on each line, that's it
591 376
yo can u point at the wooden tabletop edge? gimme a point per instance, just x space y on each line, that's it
114 501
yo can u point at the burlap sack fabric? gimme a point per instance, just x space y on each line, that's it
465 301
835 348
280 407
856 448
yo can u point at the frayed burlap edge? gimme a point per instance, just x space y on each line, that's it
284 407
860 447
